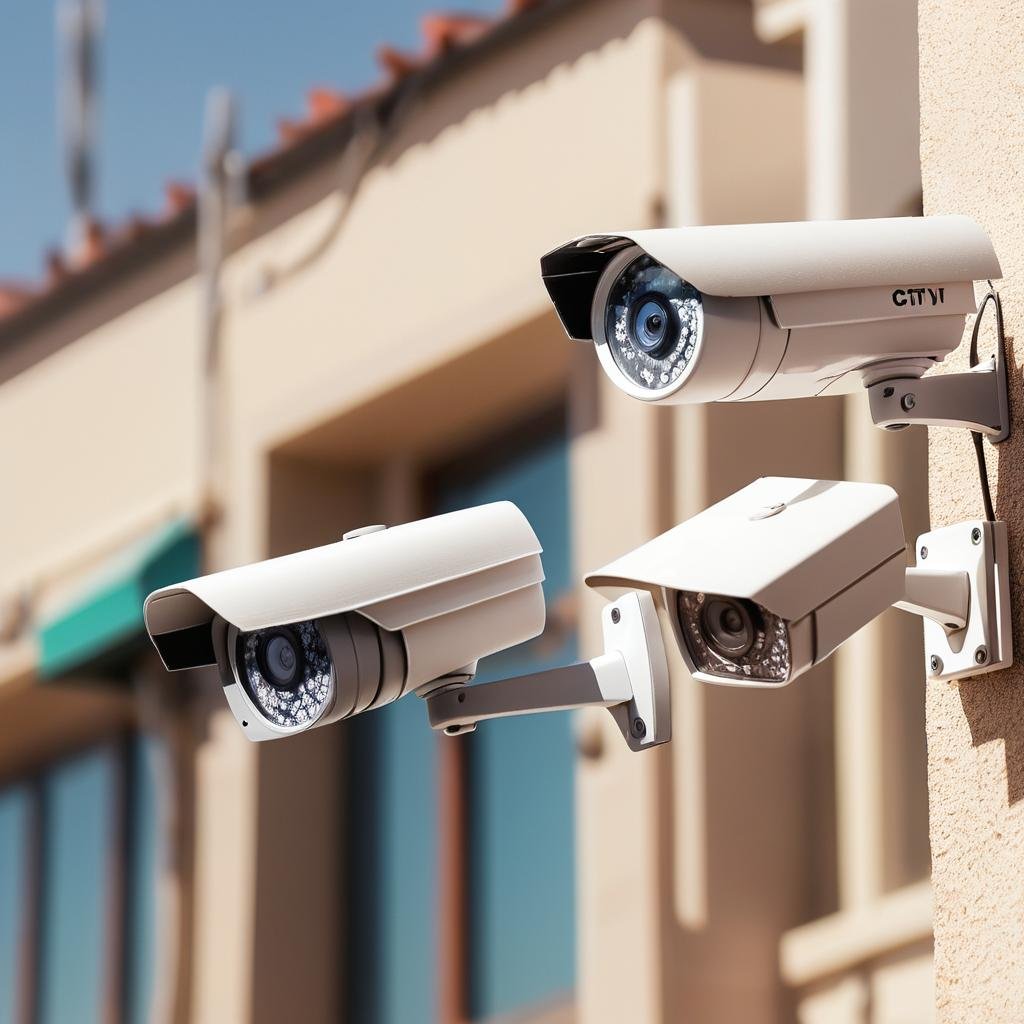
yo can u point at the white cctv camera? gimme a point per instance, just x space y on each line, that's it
770 581
321 635
316 637
773 311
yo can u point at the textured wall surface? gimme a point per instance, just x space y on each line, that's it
972 100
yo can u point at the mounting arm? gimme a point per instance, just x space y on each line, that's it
976 399
630 679
942 595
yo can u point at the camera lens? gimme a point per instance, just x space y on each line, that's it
733 637
727 627
651 321
279 655
287 672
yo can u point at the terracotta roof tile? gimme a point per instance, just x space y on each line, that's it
14 295
442 33
94 244
289 131
323 104
178 196
133 228
396 63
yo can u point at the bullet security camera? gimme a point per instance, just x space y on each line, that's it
316 637
773 311
321 635
769 582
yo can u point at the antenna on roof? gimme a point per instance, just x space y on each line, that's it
221 191
79 23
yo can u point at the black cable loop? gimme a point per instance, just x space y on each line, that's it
979 447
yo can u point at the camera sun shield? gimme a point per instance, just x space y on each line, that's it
774 311
310 638
772 579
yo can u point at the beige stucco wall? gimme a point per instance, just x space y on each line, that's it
107 432
972 151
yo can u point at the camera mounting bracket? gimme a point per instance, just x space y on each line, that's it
977 399
631 679
961 587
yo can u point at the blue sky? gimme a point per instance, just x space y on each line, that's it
158 61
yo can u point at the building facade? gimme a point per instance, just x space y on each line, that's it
376 347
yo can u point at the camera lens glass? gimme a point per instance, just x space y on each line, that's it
727 627
653 322
279 654
287 672
733 638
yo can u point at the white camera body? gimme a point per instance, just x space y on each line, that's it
770 311
771 580
317 636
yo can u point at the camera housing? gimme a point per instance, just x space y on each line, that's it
770 311
314 637
770 581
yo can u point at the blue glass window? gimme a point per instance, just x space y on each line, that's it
520 771
144 764
392 822
71 910
77 828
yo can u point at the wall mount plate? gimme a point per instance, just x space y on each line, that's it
632 632
985 644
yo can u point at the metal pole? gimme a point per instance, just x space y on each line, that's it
79 23
218 191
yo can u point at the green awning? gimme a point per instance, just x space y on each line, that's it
106 618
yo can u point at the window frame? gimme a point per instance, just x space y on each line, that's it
490 447
117 744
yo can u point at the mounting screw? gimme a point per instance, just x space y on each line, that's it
616 615
639 729
981 656
935 664
907 402
924 551
976 535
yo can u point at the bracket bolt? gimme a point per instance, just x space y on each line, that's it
981 656
924 551
616 616
976 535
639 729
907 402
935 664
